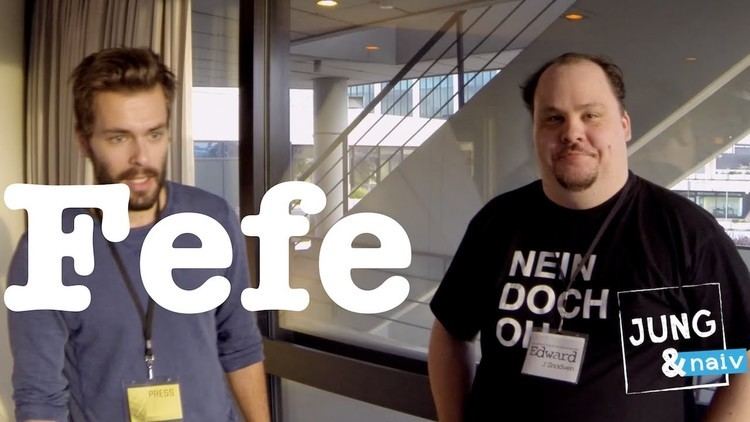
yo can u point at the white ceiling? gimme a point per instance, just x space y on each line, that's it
322 49
309 20
331 41
682 111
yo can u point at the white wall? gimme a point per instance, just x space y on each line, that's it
11 165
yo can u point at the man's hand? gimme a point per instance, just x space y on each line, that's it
451 370
249 389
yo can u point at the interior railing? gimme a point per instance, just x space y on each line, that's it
342 140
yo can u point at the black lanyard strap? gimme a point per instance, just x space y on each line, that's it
146 316
577 268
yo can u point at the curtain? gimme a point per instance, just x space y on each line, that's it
66 31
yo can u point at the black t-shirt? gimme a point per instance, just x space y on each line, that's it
505 279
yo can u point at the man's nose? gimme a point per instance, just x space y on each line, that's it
572 131
139 152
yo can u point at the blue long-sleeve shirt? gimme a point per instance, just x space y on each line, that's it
76 364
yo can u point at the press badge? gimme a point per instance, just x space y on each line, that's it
154 402
555 355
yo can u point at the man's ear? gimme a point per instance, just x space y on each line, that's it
626 126
84 143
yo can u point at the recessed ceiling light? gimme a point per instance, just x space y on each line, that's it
385 5
574 16
372 47
690 59
327 3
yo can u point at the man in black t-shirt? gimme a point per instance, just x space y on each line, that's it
599 296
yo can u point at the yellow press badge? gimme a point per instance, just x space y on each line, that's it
154 402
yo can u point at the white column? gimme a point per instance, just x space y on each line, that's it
330 110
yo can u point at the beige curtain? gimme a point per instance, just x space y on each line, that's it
63 33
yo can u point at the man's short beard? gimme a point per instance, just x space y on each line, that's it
149 201
574 179
575 184
142 202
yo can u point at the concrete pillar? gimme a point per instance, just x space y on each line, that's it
330 109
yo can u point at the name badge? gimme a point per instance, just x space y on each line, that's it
555 355
154 402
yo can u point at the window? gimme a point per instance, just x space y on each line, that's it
216 98
361 95
390 105
436 93
720 187
474 81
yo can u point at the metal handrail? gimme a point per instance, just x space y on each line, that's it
371 106
328 192
376 100
399 149
347 192
449 99
421 75
388 134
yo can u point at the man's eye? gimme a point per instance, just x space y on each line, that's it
116 139
591 115
155 136
553 119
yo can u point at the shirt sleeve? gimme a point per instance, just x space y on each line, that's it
37 342
239 341
459 302
719 261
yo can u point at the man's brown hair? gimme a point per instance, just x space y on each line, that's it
119 70
611 70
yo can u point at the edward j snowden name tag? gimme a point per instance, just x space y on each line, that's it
556 355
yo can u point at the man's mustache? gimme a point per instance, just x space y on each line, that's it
575 149
136 172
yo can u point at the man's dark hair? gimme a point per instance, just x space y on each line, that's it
611 70
118 70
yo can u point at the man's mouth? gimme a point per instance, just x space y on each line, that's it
139 183
574 153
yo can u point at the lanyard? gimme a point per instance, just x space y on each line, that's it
590 250
147 315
